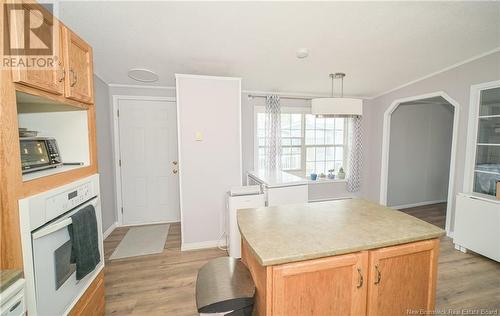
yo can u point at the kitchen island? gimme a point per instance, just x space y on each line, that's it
346 257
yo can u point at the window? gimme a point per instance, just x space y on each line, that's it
308 143
324 143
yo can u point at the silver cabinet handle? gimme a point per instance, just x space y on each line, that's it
175 171
379 276
360 280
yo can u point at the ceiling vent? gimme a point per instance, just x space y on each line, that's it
142 75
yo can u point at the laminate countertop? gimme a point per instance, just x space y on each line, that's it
9 277
296 232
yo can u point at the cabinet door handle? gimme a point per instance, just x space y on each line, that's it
360 279
379 276
13 308
75 78
63 75
175 171
61 78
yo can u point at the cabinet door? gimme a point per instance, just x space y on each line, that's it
79 83
403 278
327 286
92 301
47 73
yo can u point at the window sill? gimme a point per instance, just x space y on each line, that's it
320 181
317 181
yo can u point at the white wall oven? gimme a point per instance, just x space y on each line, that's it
52 287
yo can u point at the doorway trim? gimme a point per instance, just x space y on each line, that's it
386 139
116 147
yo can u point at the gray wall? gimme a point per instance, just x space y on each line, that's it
456 83
105 153
419 155
141 91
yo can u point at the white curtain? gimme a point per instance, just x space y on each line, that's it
273 133
355 145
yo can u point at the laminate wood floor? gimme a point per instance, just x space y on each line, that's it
465 280
164 284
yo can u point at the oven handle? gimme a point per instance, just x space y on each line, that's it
61 223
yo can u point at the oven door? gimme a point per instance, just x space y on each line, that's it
56 286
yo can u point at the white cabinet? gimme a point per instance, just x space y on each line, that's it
287 195
12 301
483 142
280 187
477 211
477 225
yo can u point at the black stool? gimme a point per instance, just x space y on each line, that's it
225 285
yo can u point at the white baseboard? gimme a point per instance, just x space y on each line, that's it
203 245
150 223
109 230
417 204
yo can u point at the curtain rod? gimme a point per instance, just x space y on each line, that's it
251 96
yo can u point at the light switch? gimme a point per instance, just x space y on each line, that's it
199 136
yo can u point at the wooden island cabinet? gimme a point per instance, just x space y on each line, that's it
322 259
68 82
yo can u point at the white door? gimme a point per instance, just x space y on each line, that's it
149 170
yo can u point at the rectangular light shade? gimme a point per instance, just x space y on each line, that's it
337 106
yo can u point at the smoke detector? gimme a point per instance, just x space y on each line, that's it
302 53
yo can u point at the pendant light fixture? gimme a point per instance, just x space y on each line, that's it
337 106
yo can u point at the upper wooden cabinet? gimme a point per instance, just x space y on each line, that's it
403 278
48 77
328 286
68 69
79 83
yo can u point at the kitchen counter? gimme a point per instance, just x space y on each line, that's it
289 233
276 179
9 277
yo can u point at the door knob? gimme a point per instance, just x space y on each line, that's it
175 171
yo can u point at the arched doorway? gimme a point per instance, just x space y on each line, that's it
420 99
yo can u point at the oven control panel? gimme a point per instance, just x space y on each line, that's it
63 202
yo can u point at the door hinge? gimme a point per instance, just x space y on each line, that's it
122 209
119 162
118 112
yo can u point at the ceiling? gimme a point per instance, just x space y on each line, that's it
379 45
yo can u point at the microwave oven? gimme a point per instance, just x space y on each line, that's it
38 153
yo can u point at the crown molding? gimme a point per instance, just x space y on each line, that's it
493 51
136 86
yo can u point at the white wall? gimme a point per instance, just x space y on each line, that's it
456 83
210 167
104 153
419 155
